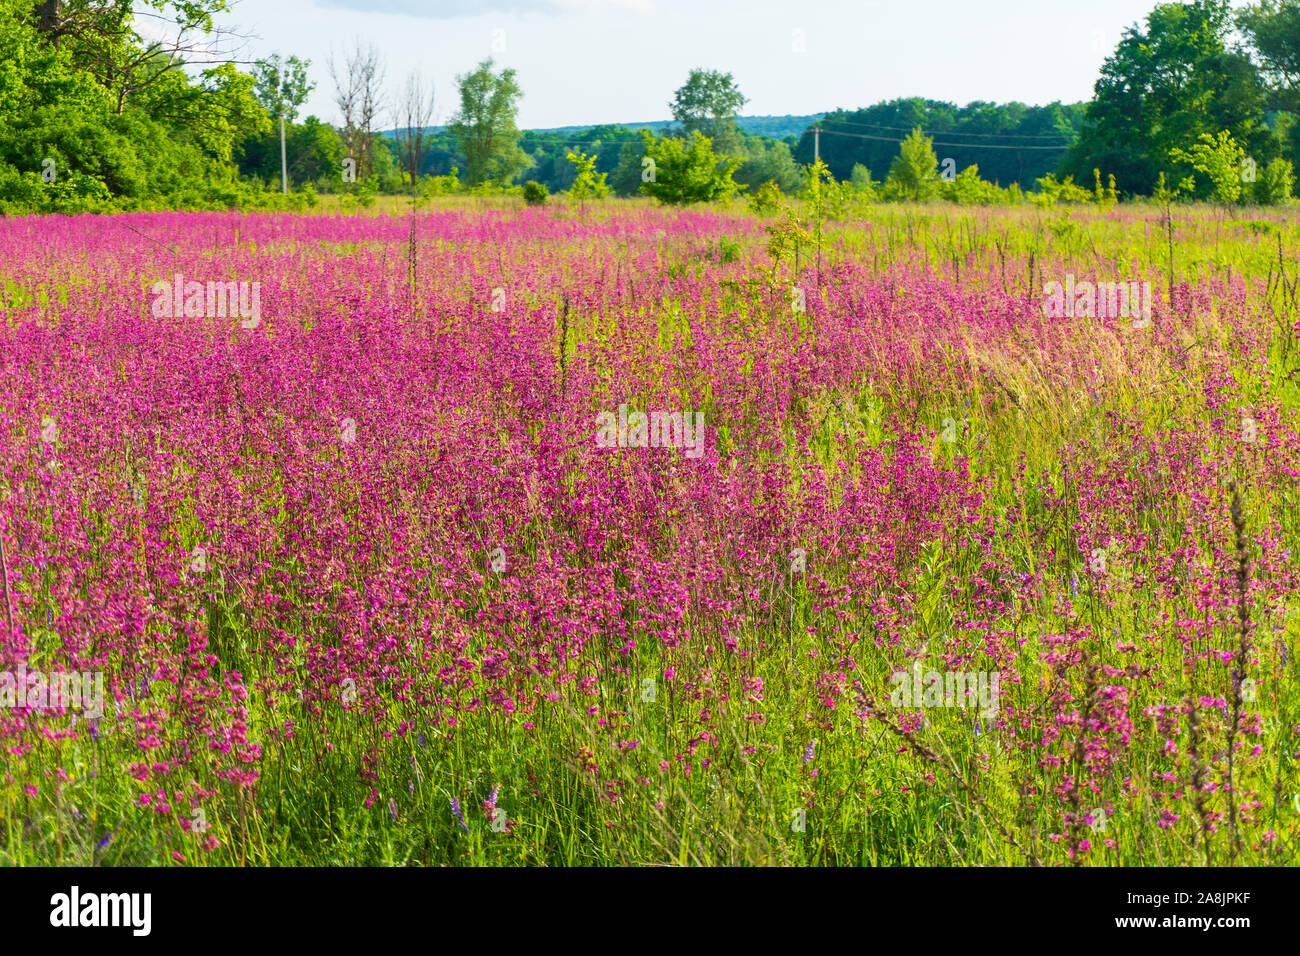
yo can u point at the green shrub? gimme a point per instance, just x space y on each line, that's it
535 194
766 199
1274 183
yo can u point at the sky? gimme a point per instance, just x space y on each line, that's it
584 62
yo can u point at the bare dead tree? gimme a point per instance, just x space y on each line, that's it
359 96
346 96
372 98
412 118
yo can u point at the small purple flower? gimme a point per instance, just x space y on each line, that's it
104 841
392 809
493 798
455 808
808 753
1074 584
424 744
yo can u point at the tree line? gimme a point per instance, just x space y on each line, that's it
1198 100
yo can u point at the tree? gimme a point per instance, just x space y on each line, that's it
1275 182
358 93
709 103
281 87
1051 191
861 181
766 199
687 170
1273 31
535 194
632 169
101 39
1029 141
413 116
1163 87
485 125
315 150
769 161
587 182
915 171
1219 158
152 135
968 189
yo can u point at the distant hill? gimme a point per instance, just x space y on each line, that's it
777 127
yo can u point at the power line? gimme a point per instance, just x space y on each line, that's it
953 132
830 132
886 139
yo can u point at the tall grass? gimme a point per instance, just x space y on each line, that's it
656 659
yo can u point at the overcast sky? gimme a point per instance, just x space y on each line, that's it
583 62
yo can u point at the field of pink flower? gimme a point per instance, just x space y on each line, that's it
375 571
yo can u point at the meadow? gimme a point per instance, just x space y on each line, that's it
365 588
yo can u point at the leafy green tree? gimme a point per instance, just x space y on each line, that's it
769 162
817 176
1011 127
281 86
709 103
1275 183
687 170
120 121
635 166
103 41
1220 159
968 189
861 181
1052 191
824 198
587 183
549 149
1163 87
766 199
915 172
315 152
626 178
218 110
1273 31
485 127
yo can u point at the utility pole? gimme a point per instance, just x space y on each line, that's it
284 167
817 144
